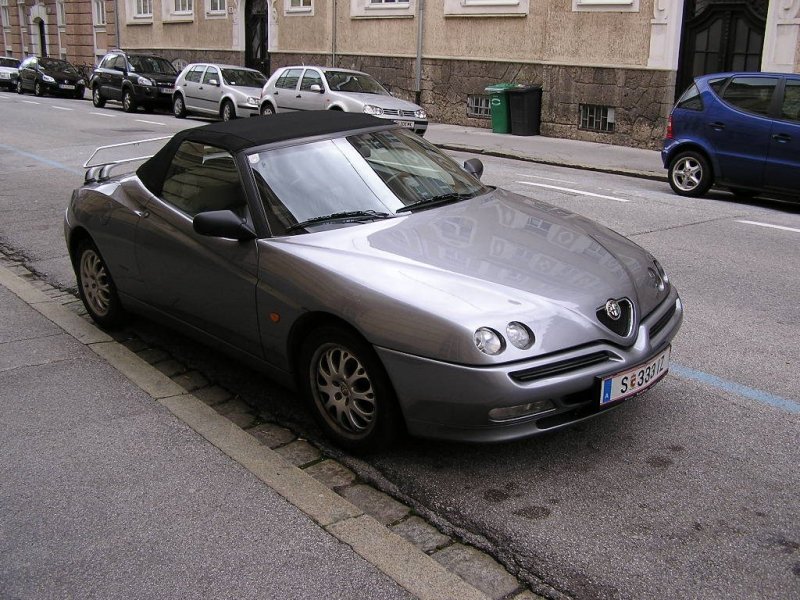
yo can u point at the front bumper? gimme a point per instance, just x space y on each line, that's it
153 95
69 88
448 401
419 126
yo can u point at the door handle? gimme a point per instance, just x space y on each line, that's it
717 126
299 96
782 138
142 214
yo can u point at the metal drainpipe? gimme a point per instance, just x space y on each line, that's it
333 35
116 23
420 30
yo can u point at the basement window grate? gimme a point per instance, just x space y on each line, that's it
479 107
594 117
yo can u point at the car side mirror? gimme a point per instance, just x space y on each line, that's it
119 68
222 223
316 88
474 167
213 82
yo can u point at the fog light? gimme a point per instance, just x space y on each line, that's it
521 410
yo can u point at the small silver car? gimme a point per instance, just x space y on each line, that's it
224 91
328 88
9 71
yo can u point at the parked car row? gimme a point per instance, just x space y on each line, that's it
44 75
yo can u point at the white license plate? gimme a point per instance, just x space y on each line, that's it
5 76
408 124
634 380
165 90
66 86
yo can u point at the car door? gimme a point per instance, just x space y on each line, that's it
782 171
191 88
739 129
114 75
286 90
205 282
210 91
306 99
27 73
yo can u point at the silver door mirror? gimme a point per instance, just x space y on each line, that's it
316 88
213 82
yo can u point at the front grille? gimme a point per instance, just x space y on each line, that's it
662 322
621 326
393 112
559 367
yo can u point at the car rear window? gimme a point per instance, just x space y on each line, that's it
691 99
751 94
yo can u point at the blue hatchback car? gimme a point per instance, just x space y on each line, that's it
740 131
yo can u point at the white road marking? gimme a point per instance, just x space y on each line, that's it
30 102
796 230
149 122
99 114
563 189
546 178
60 108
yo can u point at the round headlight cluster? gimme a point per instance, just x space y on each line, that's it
143 81
490 342
371 109
421 114
659 276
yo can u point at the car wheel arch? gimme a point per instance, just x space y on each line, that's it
694 147
76 237
337 107
307 323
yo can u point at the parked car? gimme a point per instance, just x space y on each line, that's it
134 79
224 91
740 131
9 71
350 257
43 75
326 88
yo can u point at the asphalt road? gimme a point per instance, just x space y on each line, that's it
690 491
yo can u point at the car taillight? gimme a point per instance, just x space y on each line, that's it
669 134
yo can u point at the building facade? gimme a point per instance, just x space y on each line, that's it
79 31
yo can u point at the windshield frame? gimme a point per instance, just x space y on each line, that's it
357 79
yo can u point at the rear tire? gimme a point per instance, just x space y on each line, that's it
348 390
96 287
178 107
690 174
97 98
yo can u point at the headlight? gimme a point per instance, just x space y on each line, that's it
488 341
48 79
81 82
421 114
143 81
661 281
519 335
252 100
373 110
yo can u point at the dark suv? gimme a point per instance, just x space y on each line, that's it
133 79
736 130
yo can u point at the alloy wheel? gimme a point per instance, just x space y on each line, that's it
95 282
687 174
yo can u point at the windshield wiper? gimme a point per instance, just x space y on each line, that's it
435 200
352 215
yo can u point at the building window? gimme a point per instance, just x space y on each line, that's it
184 6
177 11
61 14
381 9
479 107
597 118
144 8
295 7
486 8
605 5
6 22
99 13
215 8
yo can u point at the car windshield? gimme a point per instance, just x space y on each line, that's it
347 81
9 62
362 176
53 64
152 64
243 78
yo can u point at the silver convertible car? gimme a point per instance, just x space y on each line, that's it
351 258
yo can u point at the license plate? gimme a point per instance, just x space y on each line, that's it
165 90
408 124
5 75
635 380
66 86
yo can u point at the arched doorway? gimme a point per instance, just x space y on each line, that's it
721 35
42 37
256 53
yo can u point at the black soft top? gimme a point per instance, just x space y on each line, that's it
239 134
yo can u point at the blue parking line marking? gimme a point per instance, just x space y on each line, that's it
41 159
792 406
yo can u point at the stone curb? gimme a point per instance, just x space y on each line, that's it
410 567
553 163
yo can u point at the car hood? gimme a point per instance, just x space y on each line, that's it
489 260
159 77
381 100
245 92
61 75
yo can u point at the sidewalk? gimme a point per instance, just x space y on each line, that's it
551 151
117 483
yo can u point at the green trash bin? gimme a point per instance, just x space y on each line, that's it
501 115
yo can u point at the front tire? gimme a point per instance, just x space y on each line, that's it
348 390
96 287
38 89
267 110
690 174
178 107
19 87
228 111
128 102
97 98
